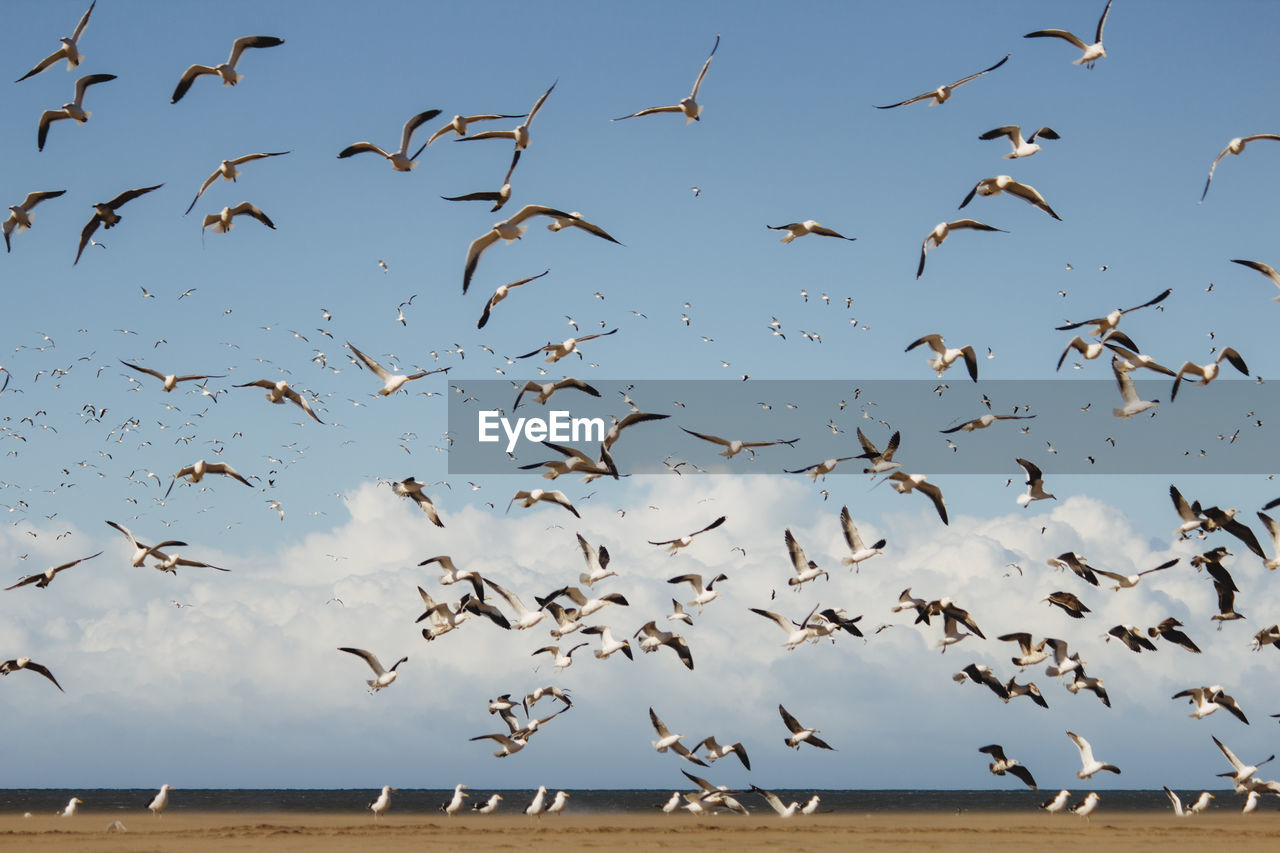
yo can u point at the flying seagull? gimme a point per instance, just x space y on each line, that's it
382 677
228 172
70 49
412 489
20 214
904 483
1235 146
1102 326
809 226
859 549
222 221
1021 147
983 422
732 447
689 106
1003 183
1089 764
943 357
278 392
800 734
400 159
1001 765
1199 806
199 468
170 380
28 664
104 214
676 544
1209 699
43 579
1092 52
1035 484
943 93
940 232
509 229
1206 373
227 71
459 124
1268 271
74 110
392 382
501 293
667 740
533 496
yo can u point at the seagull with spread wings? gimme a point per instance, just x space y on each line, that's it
1235 146
278 392
227 70
20 214
104 214
800 734
74 110
43 579
391 382
400 159
988 187
228 172
689 106
69 51
1021 147
1001 764
1092 52
943 93
31 666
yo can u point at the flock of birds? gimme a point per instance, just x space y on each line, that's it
569 607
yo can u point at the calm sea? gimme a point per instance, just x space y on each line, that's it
407 801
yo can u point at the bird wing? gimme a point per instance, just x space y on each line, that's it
935 495
1231 756
798 559
538 105
413 124
684 752
1160 298
851 536
482 196
1058 34
1177 803
43 670
188 77
130 195
995 750
43 64
378 370
703 73
971 194
658 726
1008 130
712 526
1024 774
368 657
651 111
361 147
1102 22
934 342
1160 567
241 44
907 101
771 798
791 722
980 73
157 374
476 249
244 208
782 622
971 224
83 84
207 183
25 581
824 231
1029 194
1266 270
516 604
85 235
1086 751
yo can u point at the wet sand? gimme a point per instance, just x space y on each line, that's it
619 833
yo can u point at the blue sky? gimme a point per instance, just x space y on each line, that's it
246 686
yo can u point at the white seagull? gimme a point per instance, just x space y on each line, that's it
198 469
859 549
800 734
558 804
797 632
668 740
988 187
535 808
565 348
169 380
278 392
228 172
161 800
69 51
140 550
70 809
104 214
391 382
943 93
382 803
20 214
509 229
412 489
943 357
805 569
703 595
227 71
1035 484
1133 404
597 563
732 447
530 497
459 124
1209 699
1086 808
222 221
809 226
1021 147
400 159
1089 764
74 110
455 805
1235 146
689 106
942 230
674 545
1058 803
382 677
1206 373
490 806
1199 806
1092 52
43 579
772 799
525 618
501 294
904 483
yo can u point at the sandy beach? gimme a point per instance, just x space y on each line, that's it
197 832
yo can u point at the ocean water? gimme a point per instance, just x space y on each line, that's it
620 801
